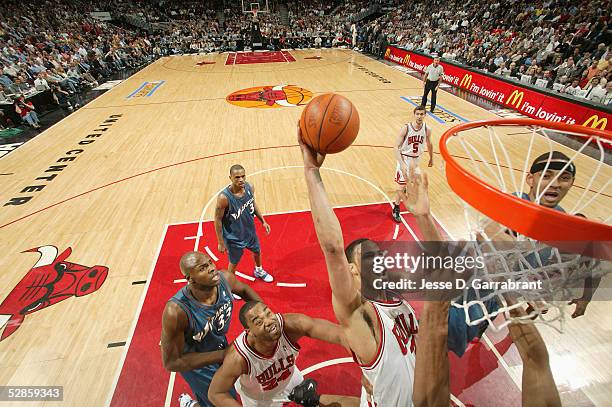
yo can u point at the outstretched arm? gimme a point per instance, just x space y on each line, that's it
345 297
416 199
539 389
223 381
431 376
299 325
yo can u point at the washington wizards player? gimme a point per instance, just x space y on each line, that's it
195 322
262 363
235 223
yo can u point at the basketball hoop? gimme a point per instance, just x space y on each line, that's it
545 244
254 11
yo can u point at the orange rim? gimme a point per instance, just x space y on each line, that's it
529 219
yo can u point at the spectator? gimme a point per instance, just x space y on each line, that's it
608 98
572 88
41 83
26 111
596 93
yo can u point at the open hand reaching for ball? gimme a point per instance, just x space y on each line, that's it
312 159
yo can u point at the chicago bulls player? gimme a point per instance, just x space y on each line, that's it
261 364
381 335
408 150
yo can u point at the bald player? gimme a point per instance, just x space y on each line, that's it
195 322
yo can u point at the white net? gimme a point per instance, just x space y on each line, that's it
518 268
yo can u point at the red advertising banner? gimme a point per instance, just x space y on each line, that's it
531 103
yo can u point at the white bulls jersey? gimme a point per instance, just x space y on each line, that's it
391 373
269 379
414 141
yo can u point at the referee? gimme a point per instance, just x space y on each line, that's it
431 80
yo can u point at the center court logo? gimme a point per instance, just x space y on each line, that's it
596 123
466 80
270 96
515 99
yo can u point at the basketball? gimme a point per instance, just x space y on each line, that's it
329 123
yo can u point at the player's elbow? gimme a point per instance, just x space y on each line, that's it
332 248
170 365
215 397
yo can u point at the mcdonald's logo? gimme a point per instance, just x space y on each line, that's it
466 80
515 99
387 53
595 122
406 59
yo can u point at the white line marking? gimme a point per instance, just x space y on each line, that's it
287 212
135 321
210 253
456 401
283 54
291 284
396 232
501 359
245 276
326 364
180 280
170 389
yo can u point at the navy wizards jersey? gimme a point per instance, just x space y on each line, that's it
239 218
208 325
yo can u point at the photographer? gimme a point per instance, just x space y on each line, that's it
26 111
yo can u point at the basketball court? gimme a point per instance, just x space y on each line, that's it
127 181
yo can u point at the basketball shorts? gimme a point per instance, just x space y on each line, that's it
270 399
199 381
459 332
235 251
411 163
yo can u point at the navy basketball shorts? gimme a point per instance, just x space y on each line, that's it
234 251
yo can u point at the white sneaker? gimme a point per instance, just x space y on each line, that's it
264 275
185 400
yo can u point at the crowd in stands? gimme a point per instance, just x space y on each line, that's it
57 46
557 44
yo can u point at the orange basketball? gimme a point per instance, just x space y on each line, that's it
329 123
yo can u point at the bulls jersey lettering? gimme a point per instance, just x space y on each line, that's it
414 141
404 333
268 378
277 372
391 373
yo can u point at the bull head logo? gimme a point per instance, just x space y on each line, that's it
51 280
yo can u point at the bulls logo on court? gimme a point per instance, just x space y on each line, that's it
51 280
270 96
